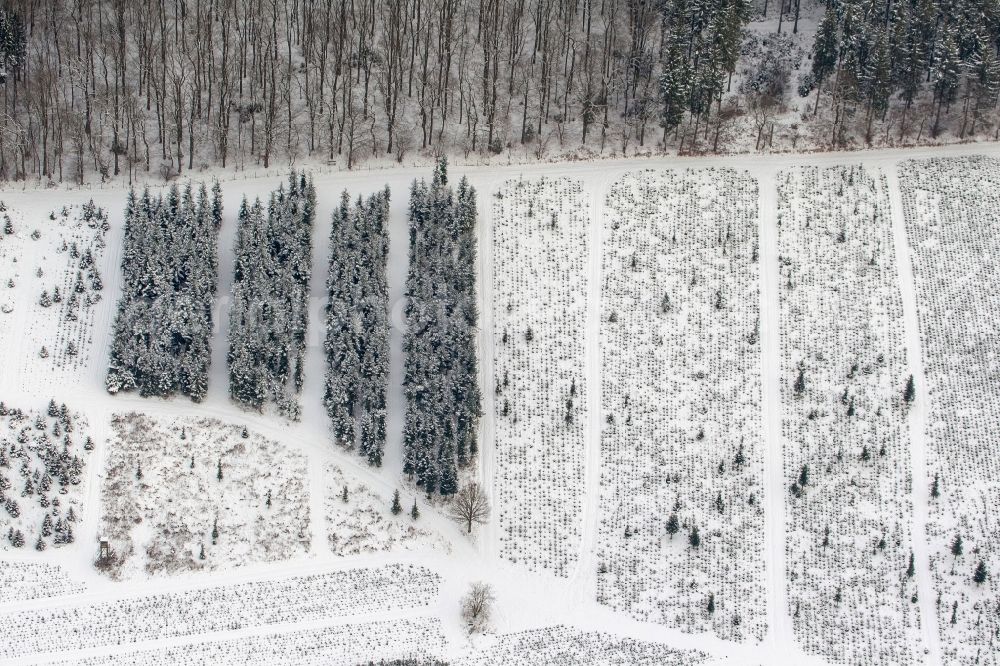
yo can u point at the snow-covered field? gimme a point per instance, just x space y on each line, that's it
951 209
22 581
845 438
540 250
564 645
50 281
664 394
216 609
681 516
198 494
357 520
338 645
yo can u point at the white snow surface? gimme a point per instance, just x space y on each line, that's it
423 617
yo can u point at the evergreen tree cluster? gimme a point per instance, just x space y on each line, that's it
170 270
440 374
269 314
871 51
357 324
701 48
38 471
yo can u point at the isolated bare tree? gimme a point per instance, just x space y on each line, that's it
470 505
477 606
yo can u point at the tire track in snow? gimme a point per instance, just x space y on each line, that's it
916 420
780 631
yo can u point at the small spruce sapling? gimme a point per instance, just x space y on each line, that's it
673 525
414 512
397 508
981 574
800 381
910 392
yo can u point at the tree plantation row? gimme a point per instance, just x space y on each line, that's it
681 517
137 87
163 328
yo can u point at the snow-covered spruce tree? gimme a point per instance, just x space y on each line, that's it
440 378
160 342
269 313
357 324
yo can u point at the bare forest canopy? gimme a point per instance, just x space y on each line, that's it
103 88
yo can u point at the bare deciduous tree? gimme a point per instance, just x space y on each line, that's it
470 505
477 606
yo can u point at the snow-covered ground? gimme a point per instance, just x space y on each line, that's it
540 251
229 625
681 519
197 494
849 527
951 212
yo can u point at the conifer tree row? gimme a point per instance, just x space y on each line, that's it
357 324
440 374
269 313
160 342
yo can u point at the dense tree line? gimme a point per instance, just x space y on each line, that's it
124 86
868 52
440 374
357 324
161 339
269 313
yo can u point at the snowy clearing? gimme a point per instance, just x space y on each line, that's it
357 520
195 494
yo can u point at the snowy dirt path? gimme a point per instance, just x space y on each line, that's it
780 630
780 637
585 579
489 538
916 421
